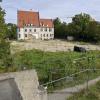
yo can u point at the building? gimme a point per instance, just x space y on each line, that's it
30 26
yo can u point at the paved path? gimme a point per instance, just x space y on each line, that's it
65 93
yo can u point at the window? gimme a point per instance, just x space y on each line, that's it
41 35
44 35
25 30
51 35
25 35
46 29
47 35
50 29
19 35
19 29
34 30
30 30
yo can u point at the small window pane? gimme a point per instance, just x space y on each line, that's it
30 30
46 29
19 29
25 30
50 29
19 35
34 30
25 35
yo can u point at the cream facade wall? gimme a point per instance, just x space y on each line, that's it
35 33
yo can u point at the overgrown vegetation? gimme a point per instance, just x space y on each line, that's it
54 65
92 94
5 57
11 31
83 28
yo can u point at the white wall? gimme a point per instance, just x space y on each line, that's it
21 33
38 34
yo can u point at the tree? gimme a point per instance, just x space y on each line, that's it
84 28
3 28
11 31
5 57
60 29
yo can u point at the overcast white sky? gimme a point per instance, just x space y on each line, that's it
52 8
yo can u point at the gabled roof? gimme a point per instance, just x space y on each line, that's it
46 23
28 17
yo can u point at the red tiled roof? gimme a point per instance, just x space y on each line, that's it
46 23
28 17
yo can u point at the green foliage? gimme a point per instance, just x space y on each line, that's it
54 65
3 27
82 28
5 57
11 31
60 28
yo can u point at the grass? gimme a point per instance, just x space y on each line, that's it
92 94
54 65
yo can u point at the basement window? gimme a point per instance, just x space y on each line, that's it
25 35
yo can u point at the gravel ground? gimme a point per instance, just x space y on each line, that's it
51 45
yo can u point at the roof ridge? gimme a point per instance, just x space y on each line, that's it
27 11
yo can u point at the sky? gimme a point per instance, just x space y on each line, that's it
64 9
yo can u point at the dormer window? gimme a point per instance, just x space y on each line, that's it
28 24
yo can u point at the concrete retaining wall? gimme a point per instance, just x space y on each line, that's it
27 82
